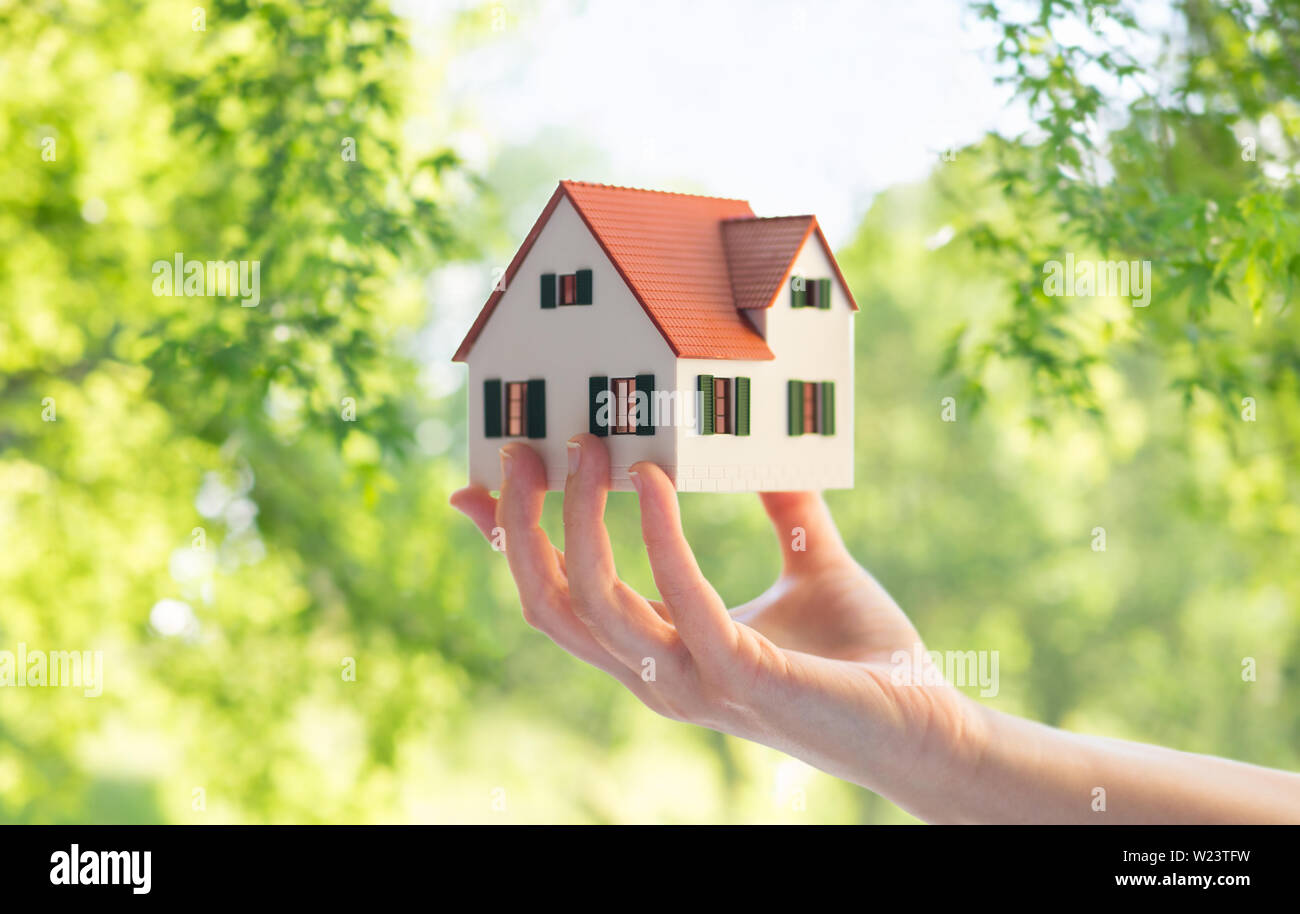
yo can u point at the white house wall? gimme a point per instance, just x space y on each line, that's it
810 345
566 346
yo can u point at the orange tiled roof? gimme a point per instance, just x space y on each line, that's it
692 262
759 255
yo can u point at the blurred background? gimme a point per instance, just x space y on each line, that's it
245 509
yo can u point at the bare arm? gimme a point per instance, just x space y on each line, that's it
810 667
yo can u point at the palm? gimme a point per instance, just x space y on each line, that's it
824 603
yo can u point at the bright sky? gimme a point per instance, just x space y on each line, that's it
796 107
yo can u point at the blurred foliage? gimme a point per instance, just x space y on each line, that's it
190 421
1174 142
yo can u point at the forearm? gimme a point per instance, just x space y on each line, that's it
1028 772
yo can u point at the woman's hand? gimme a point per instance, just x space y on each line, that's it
806 667
809 667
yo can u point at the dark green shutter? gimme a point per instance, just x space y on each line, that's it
536 399
646 382
798 296
595 387
742 406
492 409
823 294
548 290
584 287
828 407
796 407
704 384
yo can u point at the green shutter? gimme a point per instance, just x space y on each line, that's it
795 412
548 290
492 409
742 406
823 294
704 384
595 387
535 398
646 382
798 297
584 287
828 407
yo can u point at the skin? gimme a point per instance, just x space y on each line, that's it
805 667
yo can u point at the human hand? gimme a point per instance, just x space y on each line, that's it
805 667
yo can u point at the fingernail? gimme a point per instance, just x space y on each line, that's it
575 456
636 480
505 464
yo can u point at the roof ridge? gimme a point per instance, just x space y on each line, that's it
650 190
767 218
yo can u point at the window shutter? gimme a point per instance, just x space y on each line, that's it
584 287
645 425
536 402
742 406
796 407
595 387
798 297
704 384
492 409
548 290
824 294
828 407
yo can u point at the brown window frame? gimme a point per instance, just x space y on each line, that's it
566 292
811 403
722 404
516 424
624 406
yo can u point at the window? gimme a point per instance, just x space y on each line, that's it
810 293
516 408
624 406
723 405
811 408
566 289
569 289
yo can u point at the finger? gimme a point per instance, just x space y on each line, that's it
528 550
538 566
477 503
533 559
697 611
618 618
658 607
804 528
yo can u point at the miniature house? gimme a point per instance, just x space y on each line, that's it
682 329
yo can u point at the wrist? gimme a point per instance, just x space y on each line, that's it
962 755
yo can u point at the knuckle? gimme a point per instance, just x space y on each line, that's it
532 616
539 612
686 590
585 604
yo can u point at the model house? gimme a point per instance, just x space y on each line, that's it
682 329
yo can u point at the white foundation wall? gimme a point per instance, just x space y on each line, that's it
810 345
566 346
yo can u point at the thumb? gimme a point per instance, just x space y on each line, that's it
804 528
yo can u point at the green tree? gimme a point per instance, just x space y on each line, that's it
1172 141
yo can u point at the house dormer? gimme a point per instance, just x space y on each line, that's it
763 260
